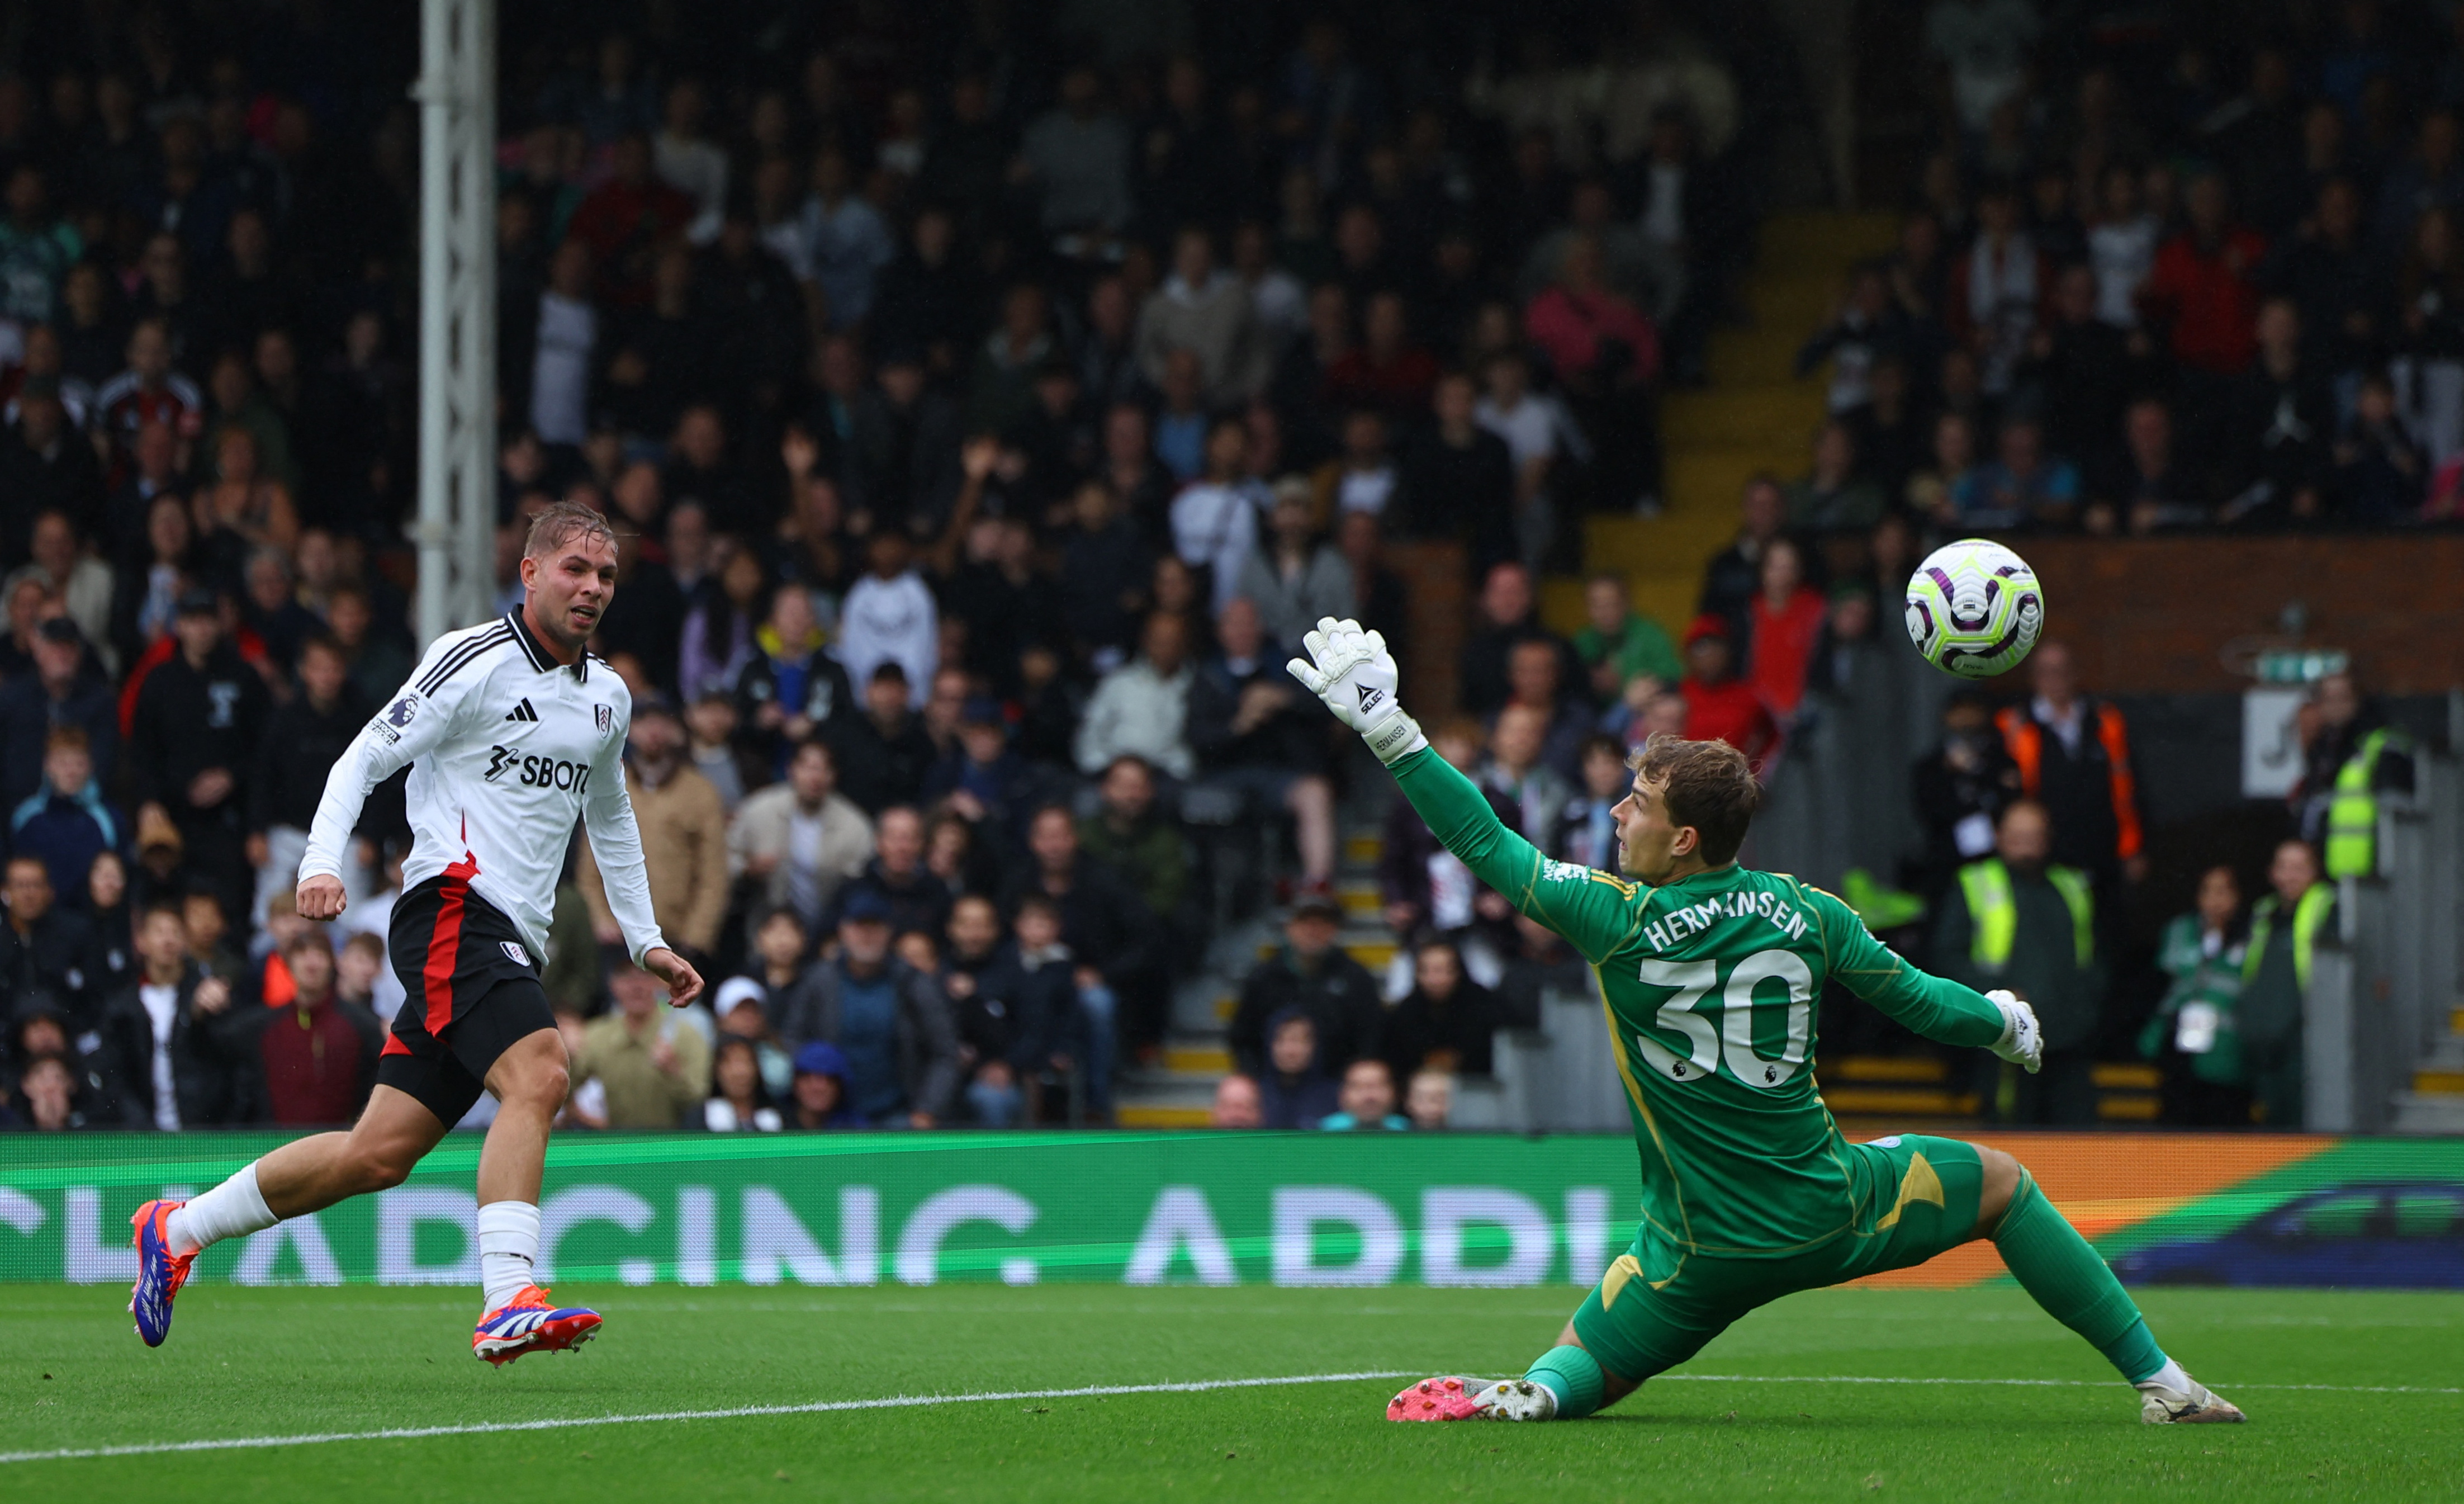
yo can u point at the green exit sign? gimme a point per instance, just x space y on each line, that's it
2299 666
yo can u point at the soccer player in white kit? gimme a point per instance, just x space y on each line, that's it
511 731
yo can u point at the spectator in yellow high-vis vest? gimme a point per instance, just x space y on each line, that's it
2349 758
2018 920
2285 930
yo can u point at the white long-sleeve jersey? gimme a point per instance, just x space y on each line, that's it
506 747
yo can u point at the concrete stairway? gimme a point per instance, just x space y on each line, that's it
1179 1089
1754 416
2435 1104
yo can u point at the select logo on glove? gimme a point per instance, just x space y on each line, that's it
1369 698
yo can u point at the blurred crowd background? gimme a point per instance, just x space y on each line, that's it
988 395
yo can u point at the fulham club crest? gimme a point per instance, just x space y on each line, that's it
606 717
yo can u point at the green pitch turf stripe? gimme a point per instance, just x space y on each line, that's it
899 1402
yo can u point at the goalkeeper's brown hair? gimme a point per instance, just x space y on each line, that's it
1706 784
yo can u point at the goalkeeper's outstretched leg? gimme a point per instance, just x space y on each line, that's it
1632 1327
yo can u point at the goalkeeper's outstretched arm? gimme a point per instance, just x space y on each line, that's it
1937 1008
1355 674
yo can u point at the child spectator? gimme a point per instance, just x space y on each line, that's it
1065 1012
1430 1101
66 823
1586 830
357 967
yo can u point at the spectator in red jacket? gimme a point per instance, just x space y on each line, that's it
1720 706
2204 285
318 1052
1787 618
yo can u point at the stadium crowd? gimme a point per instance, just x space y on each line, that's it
2203 275
988 396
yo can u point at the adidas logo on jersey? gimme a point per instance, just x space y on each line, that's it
523 711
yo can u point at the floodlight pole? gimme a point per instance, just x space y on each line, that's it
458 314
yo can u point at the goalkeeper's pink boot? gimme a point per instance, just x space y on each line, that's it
1457 1399
530 1323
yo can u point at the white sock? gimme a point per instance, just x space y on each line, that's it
233 1209
2171 1375
508 1234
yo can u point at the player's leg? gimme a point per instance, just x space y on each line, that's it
508 1038
529 1082
307 1175
2065 1275
394 1132
1625 1331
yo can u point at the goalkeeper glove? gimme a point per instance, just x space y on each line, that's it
2022 1043
1352 671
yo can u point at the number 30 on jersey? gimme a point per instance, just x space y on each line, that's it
1732 1039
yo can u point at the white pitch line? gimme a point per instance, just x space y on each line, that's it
2032 1383
905 1401
898 1402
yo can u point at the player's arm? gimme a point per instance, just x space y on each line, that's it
1355 676
616 841
412 722
1937 1008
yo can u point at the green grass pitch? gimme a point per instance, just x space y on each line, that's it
2351 1396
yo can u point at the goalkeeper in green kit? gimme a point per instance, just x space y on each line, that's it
1710 974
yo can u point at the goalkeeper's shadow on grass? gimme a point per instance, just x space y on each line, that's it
1730 1421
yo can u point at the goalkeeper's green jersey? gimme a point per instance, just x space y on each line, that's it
1710 984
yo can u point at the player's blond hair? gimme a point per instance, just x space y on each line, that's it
561 522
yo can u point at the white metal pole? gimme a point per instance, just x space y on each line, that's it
475 303
457 314
434 532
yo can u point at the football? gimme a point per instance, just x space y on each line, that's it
1975 609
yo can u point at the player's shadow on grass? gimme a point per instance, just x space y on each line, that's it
1800 1421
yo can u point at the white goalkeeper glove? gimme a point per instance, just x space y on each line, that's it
2022 1043
1355 674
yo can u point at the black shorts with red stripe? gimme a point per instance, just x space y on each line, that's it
471 992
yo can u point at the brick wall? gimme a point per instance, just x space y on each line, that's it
2153 616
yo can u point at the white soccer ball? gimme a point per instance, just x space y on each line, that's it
1975 609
